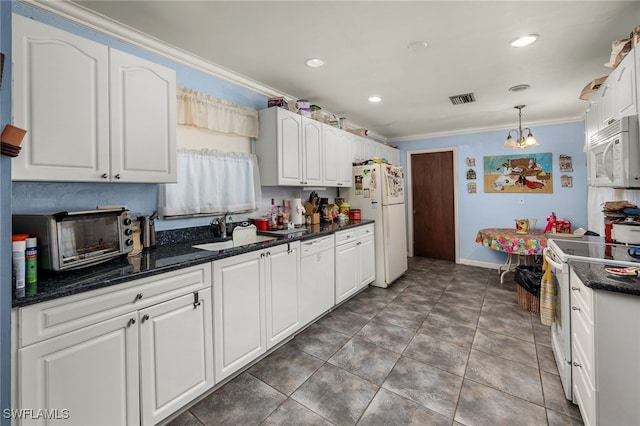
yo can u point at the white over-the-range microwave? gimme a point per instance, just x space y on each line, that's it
613 159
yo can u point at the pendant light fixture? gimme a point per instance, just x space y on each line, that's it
522 141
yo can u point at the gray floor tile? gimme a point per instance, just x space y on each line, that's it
519 329
385 335
444 329
456 313
365 359
438 353
505 346
410 320
554 397
541 333
498 293
344 321
546 360
389 409
461 301
319 341
292 413
244 400
482 405
429 386
513 378
286 369
505 311
185 419
336 395
364 307
557 419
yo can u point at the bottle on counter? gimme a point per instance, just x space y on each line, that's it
18 260
31 265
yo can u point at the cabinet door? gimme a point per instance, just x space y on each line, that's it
61 97
176 354
367 261
332 148
626 88
238 312
592 120
289 148
344 160
91 372
317 288
143 120
282 272
347 275
607 100
359 149
312 154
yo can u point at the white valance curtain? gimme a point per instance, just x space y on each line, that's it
206 112
211 182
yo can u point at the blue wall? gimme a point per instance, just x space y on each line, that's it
499 210
5 218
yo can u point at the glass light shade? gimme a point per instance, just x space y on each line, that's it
510 143
531 141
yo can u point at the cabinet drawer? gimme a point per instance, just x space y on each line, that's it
316 245
364 231
585 396
343 237
582 344
581 296
55 317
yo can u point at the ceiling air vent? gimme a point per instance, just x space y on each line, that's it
463 99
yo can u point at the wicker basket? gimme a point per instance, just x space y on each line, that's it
528 301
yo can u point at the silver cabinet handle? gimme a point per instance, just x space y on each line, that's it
575 308
145 317
131 322
138 297
576 364
575 288
117 176
104 176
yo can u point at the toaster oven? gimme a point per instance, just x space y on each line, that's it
70 240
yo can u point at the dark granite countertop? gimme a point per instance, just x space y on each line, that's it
174 251
594 276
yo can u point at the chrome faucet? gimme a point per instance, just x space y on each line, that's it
221 224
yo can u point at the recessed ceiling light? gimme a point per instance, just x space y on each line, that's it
524 40
375 99
314 62
519 87
417 46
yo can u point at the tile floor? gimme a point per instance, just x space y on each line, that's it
446 344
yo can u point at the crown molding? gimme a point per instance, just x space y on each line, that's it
94 21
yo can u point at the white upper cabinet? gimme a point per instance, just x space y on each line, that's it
298 151
143 120
625 87
91 113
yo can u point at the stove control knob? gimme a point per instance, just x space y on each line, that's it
128 242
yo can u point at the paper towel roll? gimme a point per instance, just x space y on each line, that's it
359 132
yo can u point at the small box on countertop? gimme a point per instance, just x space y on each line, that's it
315 218
563 227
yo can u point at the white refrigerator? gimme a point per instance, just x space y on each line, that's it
378 191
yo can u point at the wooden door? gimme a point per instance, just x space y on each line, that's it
433 205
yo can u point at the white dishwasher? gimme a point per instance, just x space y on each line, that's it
317 288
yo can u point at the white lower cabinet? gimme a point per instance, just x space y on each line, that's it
605 353
317 287
92 373
176 354
116 356
255 304
355 260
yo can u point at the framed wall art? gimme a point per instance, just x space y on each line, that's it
523 173
566 163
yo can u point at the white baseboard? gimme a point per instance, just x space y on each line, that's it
488 265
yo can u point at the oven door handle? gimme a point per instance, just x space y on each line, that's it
551 262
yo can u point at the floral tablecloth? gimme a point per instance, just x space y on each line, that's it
506 240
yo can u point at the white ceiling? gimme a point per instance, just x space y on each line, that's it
364 44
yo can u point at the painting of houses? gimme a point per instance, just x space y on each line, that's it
524 173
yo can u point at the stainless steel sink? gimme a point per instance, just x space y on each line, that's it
222 245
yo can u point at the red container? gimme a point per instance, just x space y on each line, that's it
354 214
262 224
